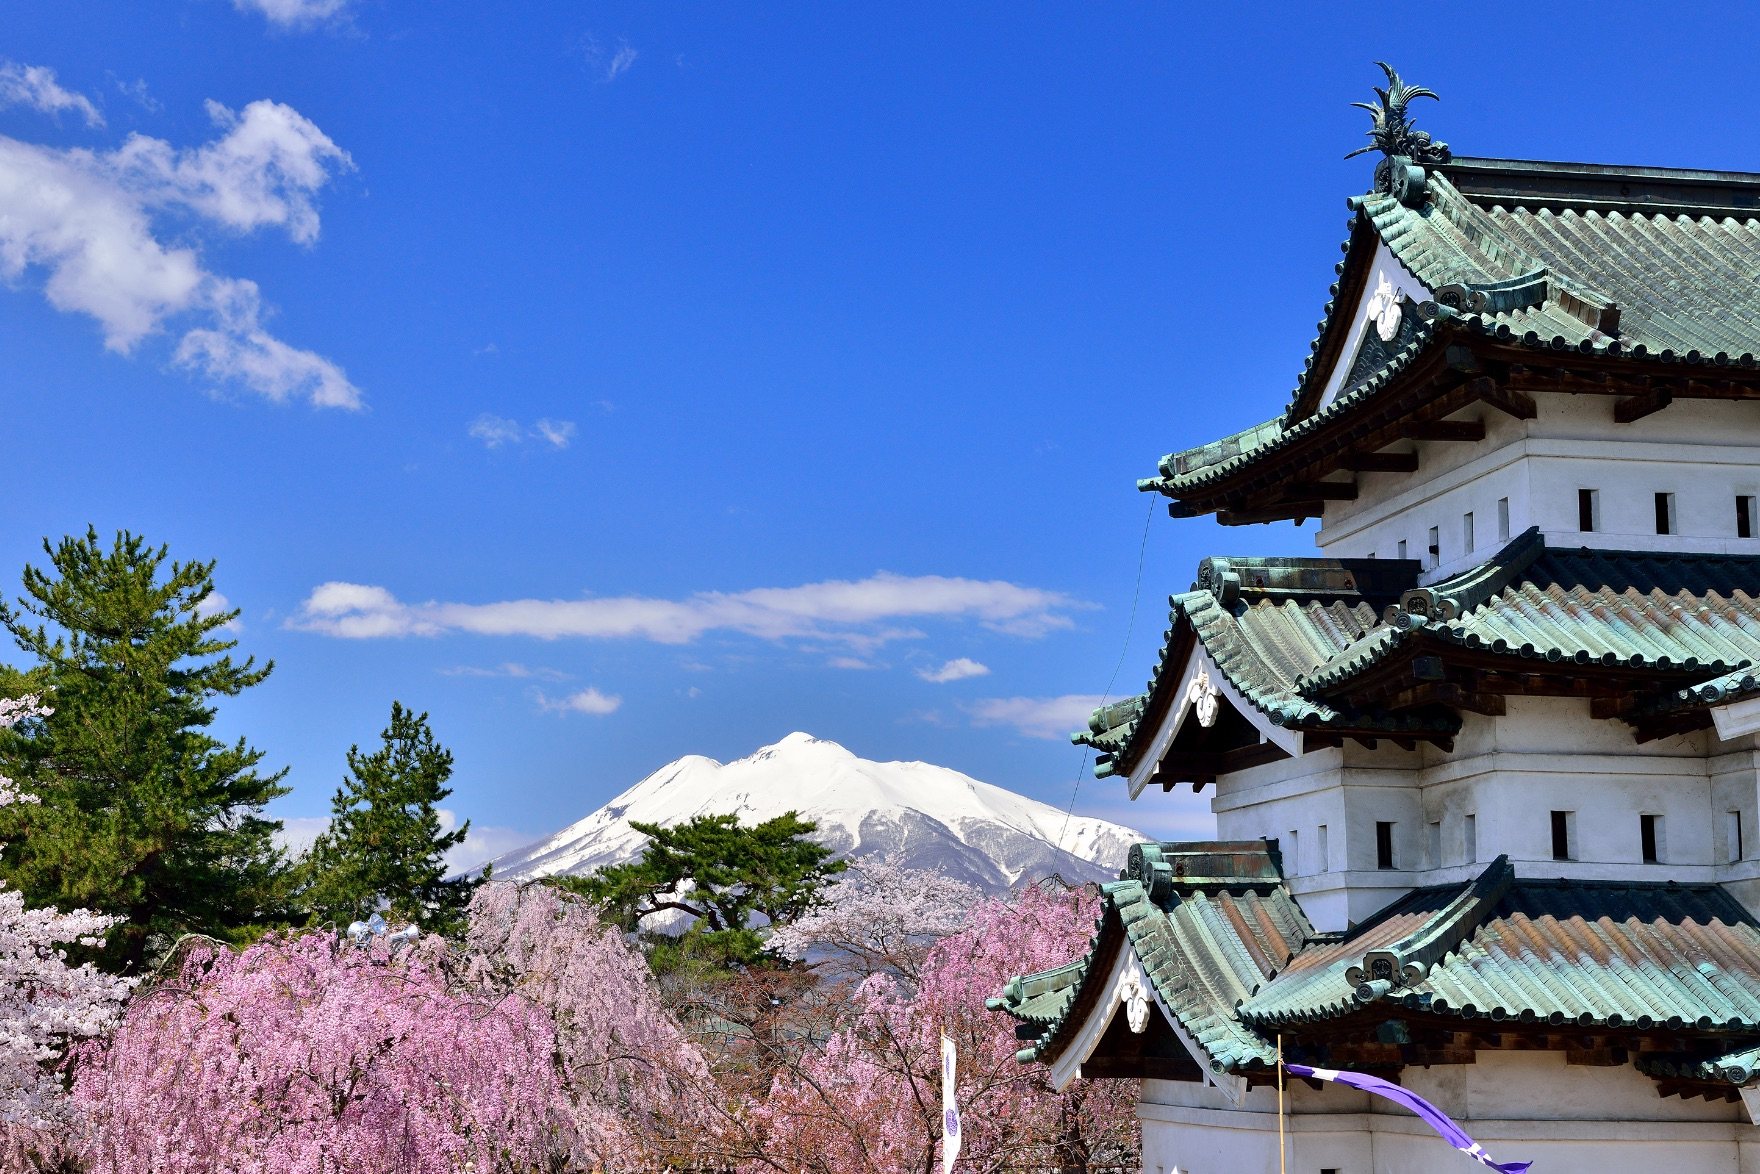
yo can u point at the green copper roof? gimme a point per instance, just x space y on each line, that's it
1235 962
1210 922
1294 636
1649 264
1640 610
1546 952
1268 624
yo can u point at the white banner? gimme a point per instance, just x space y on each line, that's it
949 1108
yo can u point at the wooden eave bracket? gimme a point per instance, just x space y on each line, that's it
1636 407
1503 397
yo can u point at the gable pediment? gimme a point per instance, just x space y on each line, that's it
1210 729
1382 323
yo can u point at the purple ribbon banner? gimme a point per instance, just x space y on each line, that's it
1432 1116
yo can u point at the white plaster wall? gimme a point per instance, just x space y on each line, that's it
1539 466
1509 773
1519 1105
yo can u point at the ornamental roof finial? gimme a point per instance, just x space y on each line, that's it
1408 149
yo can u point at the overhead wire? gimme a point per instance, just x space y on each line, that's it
1106 697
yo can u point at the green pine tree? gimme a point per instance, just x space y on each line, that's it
141 813
723 873
385 846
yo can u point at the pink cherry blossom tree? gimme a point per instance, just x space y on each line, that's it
638 1089
44 1002
878 917
540 1045
869 1099
319 1057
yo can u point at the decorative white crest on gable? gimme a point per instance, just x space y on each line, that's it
1384 308
1204 697
1135 997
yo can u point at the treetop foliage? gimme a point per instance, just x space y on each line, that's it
386 844
717 870
142 814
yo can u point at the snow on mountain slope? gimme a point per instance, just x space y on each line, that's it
929 816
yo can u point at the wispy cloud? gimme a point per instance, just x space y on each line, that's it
853 663
495 431
860 614
555 433
609 63
85 220
1036 717
958 669
139 93
507 669
293 14
35 86
589 700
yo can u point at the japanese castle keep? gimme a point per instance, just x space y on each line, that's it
1486 771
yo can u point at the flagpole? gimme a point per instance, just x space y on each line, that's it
1281 1149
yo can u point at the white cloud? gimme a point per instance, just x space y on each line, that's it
588 700
35 86
297 835
85 220
294 13
555 433
506 669
138 92
854 663
214 604
958 669
861 614
495 431
1036 717
609 64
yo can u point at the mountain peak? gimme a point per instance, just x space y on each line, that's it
928 816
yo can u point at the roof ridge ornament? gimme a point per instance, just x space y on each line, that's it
1408 150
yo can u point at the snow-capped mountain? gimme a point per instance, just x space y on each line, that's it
929 816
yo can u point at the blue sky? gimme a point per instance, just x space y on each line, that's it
620 381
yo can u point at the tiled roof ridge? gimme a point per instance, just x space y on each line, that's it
1306 579
1462 593
1408 962
1602 187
